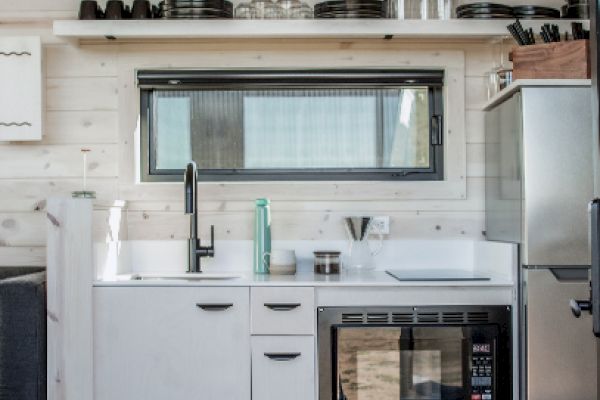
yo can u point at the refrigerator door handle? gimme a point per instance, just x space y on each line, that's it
577 306
593 305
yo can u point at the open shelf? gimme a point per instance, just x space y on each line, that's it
308 28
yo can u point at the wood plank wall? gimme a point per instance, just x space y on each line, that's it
83 110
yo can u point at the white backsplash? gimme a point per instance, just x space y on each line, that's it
494 259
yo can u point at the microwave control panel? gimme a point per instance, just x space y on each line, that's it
482 372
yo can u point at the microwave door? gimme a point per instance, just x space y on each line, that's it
405 363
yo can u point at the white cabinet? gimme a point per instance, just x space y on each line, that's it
283 311
283 367
20 88
176 343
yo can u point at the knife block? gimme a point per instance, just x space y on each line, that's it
558 60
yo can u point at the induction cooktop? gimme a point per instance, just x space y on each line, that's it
436 275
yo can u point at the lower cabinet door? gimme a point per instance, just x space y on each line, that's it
283 367
171 343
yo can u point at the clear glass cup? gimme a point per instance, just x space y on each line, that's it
424 9
409 9
303 11
287 4
273 11
246 11
445 8
260 6
392 8
429 9
501 75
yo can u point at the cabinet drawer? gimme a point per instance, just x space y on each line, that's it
283 311
283 367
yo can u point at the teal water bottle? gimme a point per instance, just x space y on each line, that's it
262 236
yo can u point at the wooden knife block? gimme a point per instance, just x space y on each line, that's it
558 60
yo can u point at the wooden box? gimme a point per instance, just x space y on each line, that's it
559 60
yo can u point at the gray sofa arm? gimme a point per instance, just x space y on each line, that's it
22 334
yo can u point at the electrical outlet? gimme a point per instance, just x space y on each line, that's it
381 225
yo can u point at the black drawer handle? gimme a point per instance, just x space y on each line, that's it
282 306
282 356
214 306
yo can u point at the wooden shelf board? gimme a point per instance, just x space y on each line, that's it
190 29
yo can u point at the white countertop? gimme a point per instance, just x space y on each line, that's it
520 83
117 263
304 278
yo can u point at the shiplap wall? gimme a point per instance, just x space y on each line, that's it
83 87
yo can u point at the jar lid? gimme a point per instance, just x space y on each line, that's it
327 253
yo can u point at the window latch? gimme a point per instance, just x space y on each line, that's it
437 130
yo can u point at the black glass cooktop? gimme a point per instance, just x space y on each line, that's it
436 275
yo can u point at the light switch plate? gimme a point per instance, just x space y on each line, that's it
381 225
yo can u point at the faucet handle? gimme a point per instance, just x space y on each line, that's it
210 250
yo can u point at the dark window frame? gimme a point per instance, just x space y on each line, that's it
150 80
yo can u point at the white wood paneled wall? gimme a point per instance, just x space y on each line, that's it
84 87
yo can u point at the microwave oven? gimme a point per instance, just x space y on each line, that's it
415 353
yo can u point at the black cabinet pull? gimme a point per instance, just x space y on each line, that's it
282 356
282 306
214 306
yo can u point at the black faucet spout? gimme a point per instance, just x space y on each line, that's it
195 250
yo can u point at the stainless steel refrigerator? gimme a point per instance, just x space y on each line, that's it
592 304
539 181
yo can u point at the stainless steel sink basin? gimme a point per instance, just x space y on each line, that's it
184 276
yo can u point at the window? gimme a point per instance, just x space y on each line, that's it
292 125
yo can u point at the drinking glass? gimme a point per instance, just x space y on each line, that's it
501 75
424 9
246 11
287 4
273 11
260 6
303 11
409 9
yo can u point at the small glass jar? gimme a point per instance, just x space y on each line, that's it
327 262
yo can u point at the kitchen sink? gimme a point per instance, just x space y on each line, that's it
184 276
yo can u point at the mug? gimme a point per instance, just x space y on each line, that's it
115 9
141 9
282 262
89 9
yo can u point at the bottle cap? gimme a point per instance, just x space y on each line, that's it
263 202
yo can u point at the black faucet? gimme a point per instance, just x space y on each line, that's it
195 250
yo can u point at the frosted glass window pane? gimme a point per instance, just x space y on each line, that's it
173 133
310 132
292 129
